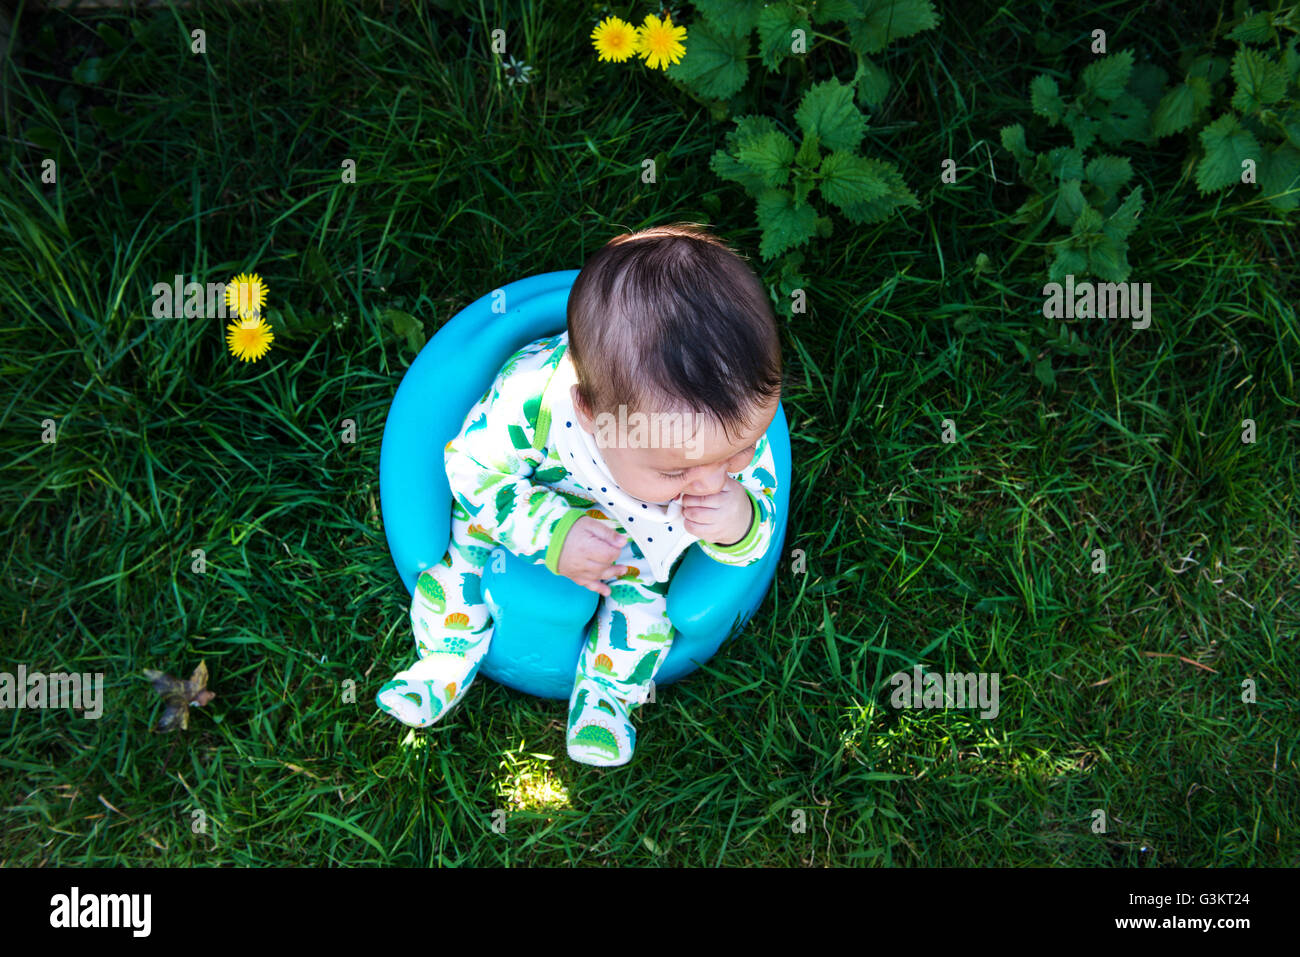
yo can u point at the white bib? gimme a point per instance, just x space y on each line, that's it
657 529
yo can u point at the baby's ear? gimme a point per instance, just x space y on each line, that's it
585 418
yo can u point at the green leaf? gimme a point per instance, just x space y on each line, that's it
749 127
1013 141
1106 78
827 10
1045 98
1121 223
828 110
1108 260
1088 222
1147 83
849 179
809 156
1069 261
1127 119
44 137
883 21
784 225
737 17
1291 123
405 326
1070 202
803 187
1279 177
725 166
1109 173
770 156
1083 128
881 207
1211 69
1256 28
89 71
1030 211
1043 371
776 24
714 65
1291 60
1065 163
1260 80
110 36
1180 107
1226 145
872 83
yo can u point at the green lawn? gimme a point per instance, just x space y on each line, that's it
1121 692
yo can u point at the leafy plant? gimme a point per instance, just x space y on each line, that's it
1260 128
1111 103
716 62
782 175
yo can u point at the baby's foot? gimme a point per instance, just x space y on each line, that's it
599 732
426 691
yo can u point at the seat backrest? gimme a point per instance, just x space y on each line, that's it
451 373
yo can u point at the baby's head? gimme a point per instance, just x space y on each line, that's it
677 357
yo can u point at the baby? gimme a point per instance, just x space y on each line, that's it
604 452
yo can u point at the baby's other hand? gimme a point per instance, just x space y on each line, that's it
589 552
722 518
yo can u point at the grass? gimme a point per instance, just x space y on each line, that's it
1121 692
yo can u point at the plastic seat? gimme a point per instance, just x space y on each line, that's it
541 619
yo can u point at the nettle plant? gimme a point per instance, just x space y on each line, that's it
1256 139
716 62
782 175
1079 186
787 179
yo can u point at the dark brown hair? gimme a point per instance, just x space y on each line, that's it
673 317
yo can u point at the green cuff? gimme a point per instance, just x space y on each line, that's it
558 534
742 546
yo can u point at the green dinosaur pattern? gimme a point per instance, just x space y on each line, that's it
599 739
429 587
644 670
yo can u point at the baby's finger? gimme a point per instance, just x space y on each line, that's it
605 553
612 538
600 588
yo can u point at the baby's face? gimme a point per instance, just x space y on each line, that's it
657 457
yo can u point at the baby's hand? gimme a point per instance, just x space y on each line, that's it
722 518
589 552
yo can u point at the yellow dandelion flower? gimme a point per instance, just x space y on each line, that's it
249 340
246 295
614 39
659 42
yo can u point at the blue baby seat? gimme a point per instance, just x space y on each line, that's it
541 619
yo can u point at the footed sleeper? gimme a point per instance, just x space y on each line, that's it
511 487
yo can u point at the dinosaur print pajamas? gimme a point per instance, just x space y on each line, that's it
516 482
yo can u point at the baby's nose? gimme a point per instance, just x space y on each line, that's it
709 484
